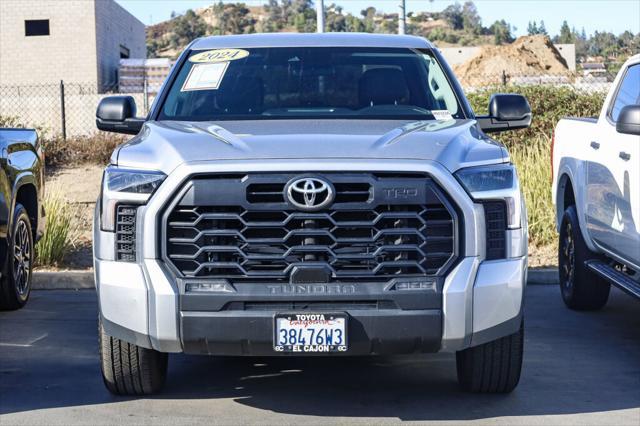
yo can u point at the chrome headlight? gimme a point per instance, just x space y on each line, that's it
125 186
495 182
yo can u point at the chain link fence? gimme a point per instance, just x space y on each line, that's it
581 82
68 109
60 109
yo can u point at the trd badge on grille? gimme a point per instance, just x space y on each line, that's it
309 193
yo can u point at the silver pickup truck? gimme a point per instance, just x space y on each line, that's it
311 194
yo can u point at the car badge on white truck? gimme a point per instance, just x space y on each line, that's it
310 193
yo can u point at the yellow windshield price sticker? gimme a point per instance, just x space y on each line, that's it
219 55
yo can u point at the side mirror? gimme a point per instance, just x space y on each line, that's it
506 112
118 114
629 120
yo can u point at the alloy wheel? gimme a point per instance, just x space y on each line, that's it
567 258
22 254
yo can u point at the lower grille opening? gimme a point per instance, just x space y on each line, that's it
495 214
126 233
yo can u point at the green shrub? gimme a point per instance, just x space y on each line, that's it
530 148
548 105
51 248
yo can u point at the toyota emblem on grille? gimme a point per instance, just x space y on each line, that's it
310 193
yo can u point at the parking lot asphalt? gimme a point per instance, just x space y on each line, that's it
580 368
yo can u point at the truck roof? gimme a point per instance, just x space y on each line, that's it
311 40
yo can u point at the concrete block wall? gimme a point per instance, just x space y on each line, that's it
115 27
83 45
68 53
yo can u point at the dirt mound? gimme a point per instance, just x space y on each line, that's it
527 56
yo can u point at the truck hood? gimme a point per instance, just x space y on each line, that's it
164 145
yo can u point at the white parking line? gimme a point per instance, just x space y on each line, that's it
24 345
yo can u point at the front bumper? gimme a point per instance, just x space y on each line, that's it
370 332
480 302
476 302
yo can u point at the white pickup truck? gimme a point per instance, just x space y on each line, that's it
596 191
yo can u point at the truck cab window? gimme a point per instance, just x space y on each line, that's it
628 93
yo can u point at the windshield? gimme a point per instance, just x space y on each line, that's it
310 82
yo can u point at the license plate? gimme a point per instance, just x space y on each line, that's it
310 333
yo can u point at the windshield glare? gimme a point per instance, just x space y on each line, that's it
310 82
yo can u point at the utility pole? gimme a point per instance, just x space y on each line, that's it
320 15
402 18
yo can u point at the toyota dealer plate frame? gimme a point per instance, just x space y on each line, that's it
310 332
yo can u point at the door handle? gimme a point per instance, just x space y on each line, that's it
595 145
625 156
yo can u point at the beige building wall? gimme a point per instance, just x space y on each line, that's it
116 30
83 46
68 53
568 52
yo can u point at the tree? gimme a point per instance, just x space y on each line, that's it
335 21
153 48
186 28
501 32
233 18
367 17
566 35
582 48
471 21
533 28
302 15
453 15
542 29
354 24
274 21
389 23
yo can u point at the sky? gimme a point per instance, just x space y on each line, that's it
614 16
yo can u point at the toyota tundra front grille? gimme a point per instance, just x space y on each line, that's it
242 227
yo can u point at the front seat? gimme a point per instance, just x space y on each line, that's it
383 86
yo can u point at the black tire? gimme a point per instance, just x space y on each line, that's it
129 369
15 285
581 288
493 367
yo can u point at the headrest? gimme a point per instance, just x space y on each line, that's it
242 94
383 86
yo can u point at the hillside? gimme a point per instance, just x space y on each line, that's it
168 38
457 25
